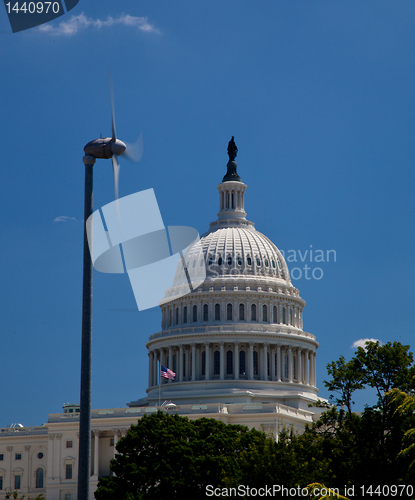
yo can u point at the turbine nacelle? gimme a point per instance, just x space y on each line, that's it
105 148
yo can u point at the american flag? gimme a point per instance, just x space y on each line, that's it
166 373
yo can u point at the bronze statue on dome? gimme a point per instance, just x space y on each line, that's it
232 149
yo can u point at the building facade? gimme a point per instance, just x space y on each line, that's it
236 344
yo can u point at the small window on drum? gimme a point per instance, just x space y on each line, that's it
249 261
194 314
266 263
258 262
239 260
205 312
210 261
217 312
241 312
273 264
220 261
229 260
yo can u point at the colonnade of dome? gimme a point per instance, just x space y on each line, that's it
226 360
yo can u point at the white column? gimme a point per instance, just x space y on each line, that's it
10 450
155 368
96 453
279 363
308 381
264 370
170 362
193 362
251 361
207 361
58 442
290 364
28 474
50 457
162 363
279 313
187 364
299 375
222 360
272 354
150 368
180 363
236 360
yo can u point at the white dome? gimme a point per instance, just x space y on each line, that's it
242 251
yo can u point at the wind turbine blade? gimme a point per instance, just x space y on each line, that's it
134 152
109 78
116 171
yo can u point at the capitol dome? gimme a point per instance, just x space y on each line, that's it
237 337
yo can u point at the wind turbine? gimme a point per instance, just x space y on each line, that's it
105 148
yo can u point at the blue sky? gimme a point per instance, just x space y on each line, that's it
320 98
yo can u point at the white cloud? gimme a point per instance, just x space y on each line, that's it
362 342
81 22
63 218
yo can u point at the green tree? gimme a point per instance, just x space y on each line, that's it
177 457
365 449
347 377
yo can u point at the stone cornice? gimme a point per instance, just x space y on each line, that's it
225 335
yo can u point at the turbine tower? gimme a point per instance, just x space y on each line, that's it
105 148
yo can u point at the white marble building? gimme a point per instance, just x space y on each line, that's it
236 344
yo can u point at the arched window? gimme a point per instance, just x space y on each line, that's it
217 312
194 314
264 313
216 363
177 315
256 371
39 477
170 318
205 312
185 314
242 366
241 312
229 362
203 363
220 261
291 317
284 316
275 316
229 260
249 260
253 312
229 312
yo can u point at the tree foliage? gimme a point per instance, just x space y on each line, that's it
177 457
